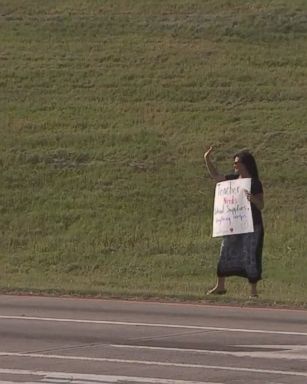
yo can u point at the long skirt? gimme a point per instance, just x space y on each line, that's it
241 255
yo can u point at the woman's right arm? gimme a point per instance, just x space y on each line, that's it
213 172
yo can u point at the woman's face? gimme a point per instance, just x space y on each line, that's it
238 166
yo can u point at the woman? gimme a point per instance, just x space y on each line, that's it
241 255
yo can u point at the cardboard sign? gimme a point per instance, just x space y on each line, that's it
232 211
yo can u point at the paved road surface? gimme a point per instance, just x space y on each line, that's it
80 341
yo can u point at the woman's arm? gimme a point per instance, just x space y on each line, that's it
213 172
257 200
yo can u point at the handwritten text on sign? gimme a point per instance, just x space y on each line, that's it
232 211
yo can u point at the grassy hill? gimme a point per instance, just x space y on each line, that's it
106 109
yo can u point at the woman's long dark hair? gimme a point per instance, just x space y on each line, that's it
246 158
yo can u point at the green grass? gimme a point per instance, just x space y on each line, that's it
106 109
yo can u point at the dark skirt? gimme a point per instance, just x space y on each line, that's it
241 255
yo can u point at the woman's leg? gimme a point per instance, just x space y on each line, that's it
219 287
254 290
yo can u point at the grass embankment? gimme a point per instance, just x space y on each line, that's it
106 108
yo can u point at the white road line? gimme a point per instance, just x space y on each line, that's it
23 382
101 322
287 354
157 363
93 379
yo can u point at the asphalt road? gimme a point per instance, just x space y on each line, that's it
64 340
